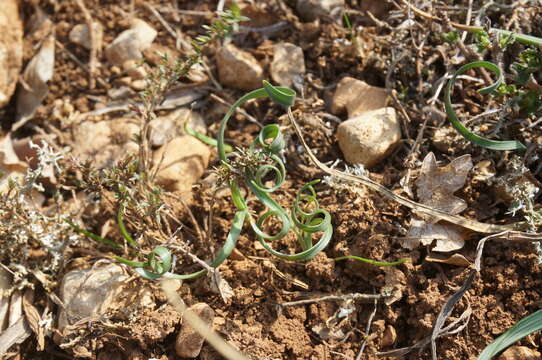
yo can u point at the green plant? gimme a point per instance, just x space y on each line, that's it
252 167
527 100
522 328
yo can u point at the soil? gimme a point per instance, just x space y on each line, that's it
507 289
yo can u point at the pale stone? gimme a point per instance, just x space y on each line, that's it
357 97
89 293
310 10
369 138
11 49
189 341
389 337
81 36
288 64
181 162
520 353
108 142
134 69
238 68
130 43
165 128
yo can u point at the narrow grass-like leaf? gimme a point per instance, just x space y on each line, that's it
125 234
204 138
372 262
466 133
522 328
92 236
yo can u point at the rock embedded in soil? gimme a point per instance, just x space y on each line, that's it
189 341
182 162
356 97
11 49
88 293
165 128
110 141
520 353
389 337
369 138
131 43
310 10
288 65
81 36
238 68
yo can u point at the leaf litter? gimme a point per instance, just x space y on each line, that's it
435 188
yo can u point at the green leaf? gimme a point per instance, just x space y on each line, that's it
466 133
92 235
372 262
522 328
281 95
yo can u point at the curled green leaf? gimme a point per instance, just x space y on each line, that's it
466 133
281 95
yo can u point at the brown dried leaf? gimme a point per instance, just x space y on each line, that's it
435 188
449 237
221 286
436 185
395 284
455 259
33 318
36 75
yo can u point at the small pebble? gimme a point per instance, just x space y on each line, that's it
189 341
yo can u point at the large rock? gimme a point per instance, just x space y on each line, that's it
288 64
131 43
356 97
11 49
310 10
238 69
182 162
520 353
88 293
369 138
189 341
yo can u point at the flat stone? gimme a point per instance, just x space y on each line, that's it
91 292
238 68
110 141
189 341
369 138
11 49
288 65
356 97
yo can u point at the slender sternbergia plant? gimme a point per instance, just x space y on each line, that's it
252 168
526 92
522 328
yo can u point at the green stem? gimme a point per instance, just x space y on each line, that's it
372 262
